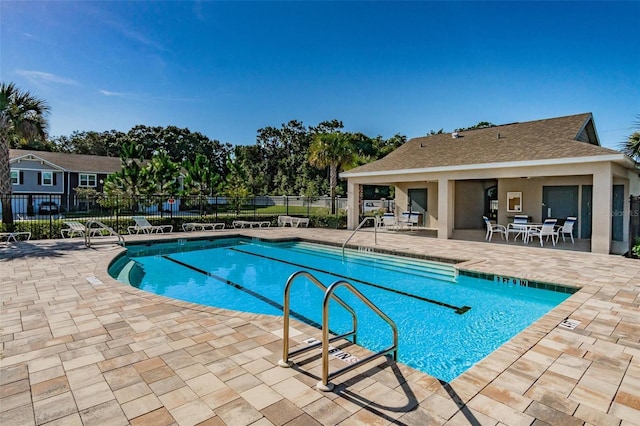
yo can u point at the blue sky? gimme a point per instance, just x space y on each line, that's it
226 69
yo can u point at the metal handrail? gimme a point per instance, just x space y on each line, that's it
284 362
375 231
101 226
324 384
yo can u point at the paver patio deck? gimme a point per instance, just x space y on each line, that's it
77 347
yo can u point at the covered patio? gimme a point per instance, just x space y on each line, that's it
553 168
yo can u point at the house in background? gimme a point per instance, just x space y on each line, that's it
46 181
545 168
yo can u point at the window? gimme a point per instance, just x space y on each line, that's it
47 178
87 180
514 202
15 177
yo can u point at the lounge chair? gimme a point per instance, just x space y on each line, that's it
519 227
493 227
143 225
285 220
73 229
251 224
567 228
546 230
293 221
15 236
196 226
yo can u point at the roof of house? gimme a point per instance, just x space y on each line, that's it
71 162
550 139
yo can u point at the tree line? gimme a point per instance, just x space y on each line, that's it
284 160
293 159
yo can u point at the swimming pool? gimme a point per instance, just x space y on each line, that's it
446 322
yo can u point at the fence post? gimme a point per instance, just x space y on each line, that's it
51 216
117 214
286 201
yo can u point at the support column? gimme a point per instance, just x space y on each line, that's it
353 205
602 215
446 212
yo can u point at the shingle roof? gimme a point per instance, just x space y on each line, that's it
73 162
549 139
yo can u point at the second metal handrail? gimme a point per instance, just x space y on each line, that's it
89 229
365 220
324 384
284 362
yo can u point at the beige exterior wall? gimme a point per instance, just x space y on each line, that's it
531 189
470 203
402 200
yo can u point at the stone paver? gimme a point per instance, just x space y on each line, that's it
75 350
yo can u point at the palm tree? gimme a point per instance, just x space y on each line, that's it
333 150
132 182
632 146
22 117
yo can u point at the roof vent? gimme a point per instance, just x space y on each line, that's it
454 135
498 135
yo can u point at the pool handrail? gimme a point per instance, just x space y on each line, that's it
284 362
324 384
100 226
365 220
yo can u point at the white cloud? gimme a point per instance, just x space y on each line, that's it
116 94
149 98
39 78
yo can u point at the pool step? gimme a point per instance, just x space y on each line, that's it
398 263
419 267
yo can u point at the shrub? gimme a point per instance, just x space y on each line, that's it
333 221
635 250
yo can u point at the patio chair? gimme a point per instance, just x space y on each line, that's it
548 229
143 225
493 227
519 226
567 228
389 221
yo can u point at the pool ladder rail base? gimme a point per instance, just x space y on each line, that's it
324 385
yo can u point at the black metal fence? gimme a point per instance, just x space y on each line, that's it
634 222
44 215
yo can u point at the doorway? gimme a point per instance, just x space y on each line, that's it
617 212
586 214
491 203
418 204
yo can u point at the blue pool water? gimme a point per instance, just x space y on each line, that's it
446 322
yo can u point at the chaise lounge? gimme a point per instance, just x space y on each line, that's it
197 226
143 225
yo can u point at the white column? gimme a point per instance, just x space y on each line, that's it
601 219
445 208
353 204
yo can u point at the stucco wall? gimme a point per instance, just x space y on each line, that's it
469 203
402 198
